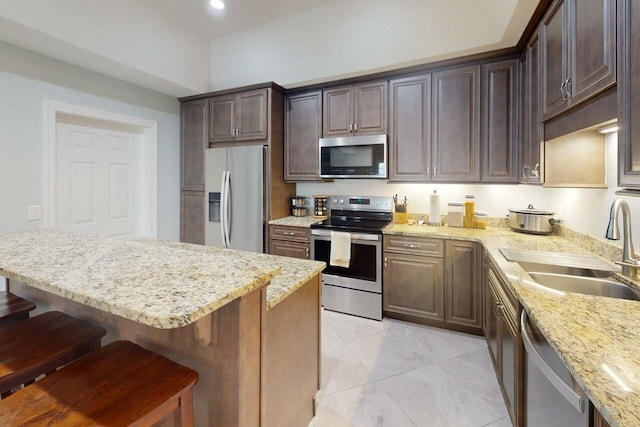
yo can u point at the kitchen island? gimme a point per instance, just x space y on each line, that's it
206 308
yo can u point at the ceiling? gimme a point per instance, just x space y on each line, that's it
185 47
238 15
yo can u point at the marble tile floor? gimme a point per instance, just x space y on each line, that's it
397 374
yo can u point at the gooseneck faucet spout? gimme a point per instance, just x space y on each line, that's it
629 263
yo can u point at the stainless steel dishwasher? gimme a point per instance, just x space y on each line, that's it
553 398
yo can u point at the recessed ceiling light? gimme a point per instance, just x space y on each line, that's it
217 4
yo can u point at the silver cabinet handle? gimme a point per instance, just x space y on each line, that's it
355 127
563 388
562 92
385 262
524 170
409 245
428 171
289 233
350 127
536 171
567 88
435 170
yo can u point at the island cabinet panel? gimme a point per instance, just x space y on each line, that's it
243 116
289 241
193 130
531 125
355 110
501 325
192 209
410 129
629 94
456 125
432 281
302 130
291 358
463 269
579 52
598 420
500 122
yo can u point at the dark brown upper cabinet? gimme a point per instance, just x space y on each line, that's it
355 110
193 136
531 125
410 129
578 52
629 94
500 122
456 125
242 116
302 130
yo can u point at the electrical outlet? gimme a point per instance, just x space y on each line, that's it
34 213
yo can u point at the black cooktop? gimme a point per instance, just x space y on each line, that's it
362 222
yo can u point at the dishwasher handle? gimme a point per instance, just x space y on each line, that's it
567 392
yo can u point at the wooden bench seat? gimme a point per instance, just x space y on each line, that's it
119 385
13 308
42 344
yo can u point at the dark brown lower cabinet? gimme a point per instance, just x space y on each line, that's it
433 282
598 420
502 330
289 241
192 217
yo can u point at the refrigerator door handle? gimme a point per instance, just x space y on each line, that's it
223 202
227 223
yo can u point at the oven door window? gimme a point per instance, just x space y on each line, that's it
362 265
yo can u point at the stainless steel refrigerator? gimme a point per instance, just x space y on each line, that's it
236 202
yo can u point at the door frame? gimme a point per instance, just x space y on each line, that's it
149 158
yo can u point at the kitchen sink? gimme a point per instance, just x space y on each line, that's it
560 263
606 287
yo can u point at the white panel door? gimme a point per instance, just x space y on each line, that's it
98 178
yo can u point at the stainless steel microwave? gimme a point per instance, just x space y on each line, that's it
353 157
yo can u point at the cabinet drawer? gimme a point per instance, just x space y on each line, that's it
414 245
283 232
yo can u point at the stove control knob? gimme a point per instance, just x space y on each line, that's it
341 201
335 201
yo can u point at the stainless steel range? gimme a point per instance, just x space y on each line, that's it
353 287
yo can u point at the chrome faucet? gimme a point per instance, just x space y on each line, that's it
629 263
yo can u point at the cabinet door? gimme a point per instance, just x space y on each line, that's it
413 286
531 143
192 217
629 94
554 59
193 141
222 121
463 295
410 129
491 328
456 125
499 117
290 249
508 338
252 117
593 47
370 108
337 111
302 129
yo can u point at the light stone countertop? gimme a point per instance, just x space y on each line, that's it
293 273
162 285
295 221
592 335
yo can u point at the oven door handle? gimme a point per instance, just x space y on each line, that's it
354 236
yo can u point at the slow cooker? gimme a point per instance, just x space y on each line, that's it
531 220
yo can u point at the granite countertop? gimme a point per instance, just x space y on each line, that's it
295 221
293 272
163 285
594 336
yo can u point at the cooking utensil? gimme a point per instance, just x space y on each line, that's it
531 220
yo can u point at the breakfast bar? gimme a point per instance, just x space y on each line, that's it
210 309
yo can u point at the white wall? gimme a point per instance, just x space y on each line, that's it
584 210
349 37
26 79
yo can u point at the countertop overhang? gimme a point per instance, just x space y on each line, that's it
159 284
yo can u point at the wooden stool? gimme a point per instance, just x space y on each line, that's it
42 344
13 308
119 385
